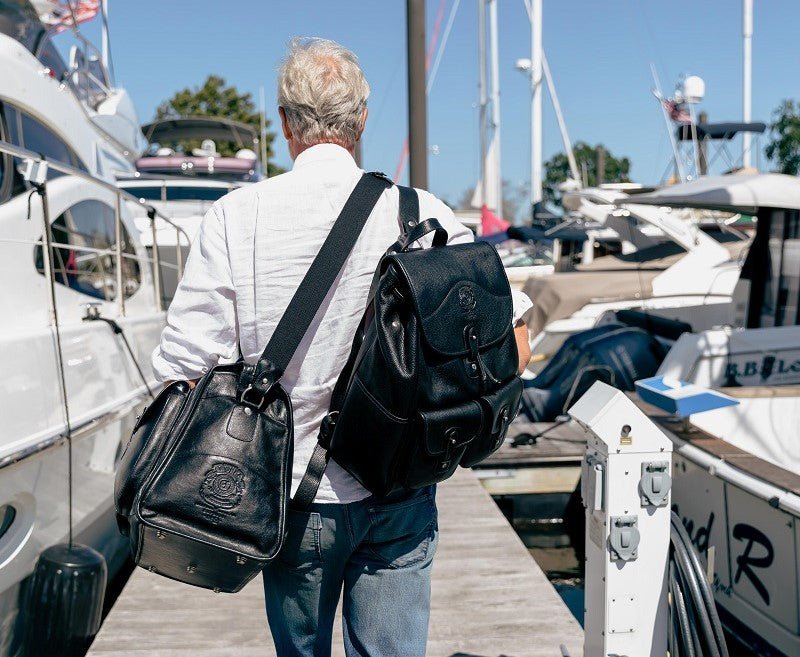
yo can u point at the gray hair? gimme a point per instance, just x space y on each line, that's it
323 92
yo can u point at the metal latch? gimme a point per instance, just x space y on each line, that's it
655 484
592 485
623 538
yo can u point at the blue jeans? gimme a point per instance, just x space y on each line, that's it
379 553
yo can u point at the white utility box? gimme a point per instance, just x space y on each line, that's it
625 485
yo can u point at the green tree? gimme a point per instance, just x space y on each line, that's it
216 98
784 148
557 168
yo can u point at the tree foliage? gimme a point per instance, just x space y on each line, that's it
557 168
784 147
216 98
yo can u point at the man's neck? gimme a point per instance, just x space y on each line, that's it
299 148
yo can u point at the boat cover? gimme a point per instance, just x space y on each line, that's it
610 278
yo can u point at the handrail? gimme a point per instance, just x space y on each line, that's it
152 213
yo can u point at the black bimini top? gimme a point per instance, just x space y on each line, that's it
200 127
718 130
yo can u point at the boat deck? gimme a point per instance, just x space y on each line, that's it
489 599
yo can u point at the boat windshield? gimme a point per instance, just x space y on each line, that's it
174 193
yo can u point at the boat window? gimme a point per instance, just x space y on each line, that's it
49 57
84 252
773 269
11 182
7 515
40 139
196 193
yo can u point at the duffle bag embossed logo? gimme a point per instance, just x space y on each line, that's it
466 298
221 491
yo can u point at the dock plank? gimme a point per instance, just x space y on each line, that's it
489 599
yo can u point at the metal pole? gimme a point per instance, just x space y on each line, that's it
104 46
156 261
417 102
118 237
747 77
47 259
562 126
536 101
482 99
497 174
600 166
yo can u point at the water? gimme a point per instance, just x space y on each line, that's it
551 547
539 520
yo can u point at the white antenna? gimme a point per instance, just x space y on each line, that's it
747 77
497 173
482 101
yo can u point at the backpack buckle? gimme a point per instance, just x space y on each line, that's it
326 429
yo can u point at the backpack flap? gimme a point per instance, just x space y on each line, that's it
442 438
453 288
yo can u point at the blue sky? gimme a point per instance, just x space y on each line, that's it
599 52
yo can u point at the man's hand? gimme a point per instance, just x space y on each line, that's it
523 346
191 383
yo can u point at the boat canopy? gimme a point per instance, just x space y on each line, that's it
742 193
200 127
718 130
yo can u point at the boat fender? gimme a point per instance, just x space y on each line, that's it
66 601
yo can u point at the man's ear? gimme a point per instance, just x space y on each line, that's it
362 124
287 131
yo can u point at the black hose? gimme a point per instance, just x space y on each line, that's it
695 630
118 330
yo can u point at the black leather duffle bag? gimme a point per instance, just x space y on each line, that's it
431 381
203 485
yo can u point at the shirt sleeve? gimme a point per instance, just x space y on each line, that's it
458 233
201 325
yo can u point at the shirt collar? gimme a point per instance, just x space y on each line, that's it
324 153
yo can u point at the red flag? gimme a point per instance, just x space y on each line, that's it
677 112
61 16
491 223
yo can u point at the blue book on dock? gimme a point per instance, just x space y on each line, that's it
681 398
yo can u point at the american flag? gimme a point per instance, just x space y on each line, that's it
59 13
677 112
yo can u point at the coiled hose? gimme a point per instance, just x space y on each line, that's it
695 629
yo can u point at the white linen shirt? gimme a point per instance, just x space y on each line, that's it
252 250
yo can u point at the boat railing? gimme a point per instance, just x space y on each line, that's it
117 252
86 74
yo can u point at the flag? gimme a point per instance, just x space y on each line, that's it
491 223
59 15
677 112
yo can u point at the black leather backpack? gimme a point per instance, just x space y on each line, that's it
431 381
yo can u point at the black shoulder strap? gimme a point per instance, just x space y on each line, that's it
317 282
307 490
409 208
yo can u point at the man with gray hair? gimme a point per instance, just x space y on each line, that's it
254 247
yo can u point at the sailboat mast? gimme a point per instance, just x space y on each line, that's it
497 175
482 99
536 102
747 78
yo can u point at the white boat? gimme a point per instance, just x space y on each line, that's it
87 130
183 186
668 267
737 469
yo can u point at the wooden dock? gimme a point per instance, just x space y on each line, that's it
549 464
490 599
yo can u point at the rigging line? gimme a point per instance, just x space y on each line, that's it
437 60
41 189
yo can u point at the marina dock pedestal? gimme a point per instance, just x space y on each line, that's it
490 599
